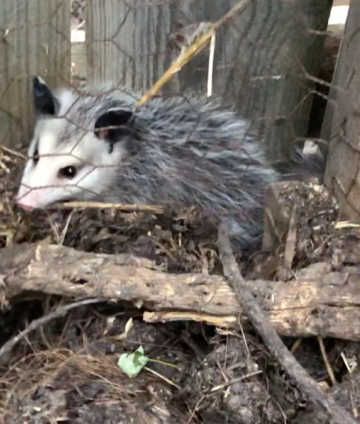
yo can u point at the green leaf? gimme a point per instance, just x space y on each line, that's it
133 363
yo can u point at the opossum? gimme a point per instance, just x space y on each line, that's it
177 151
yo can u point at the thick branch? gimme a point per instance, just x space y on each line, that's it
318 303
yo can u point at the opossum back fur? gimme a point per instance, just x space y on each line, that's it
191 151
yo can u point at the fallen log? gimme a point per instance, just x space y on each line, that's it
318 302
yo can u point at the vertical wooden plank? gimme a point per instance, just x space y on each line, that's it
342 124
262 59
126 41
78 58
34 40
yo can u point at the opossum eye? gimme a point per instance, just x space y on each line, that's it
35 156
68 172
114 124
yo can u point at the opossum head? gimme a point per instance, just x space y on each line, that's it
76 149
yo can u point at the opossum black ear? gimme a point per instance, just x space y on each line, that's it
44 101
114 124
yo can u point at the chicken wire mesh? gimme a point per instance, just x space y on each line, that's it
272 65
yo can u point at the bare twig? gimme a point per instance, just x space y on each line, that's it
326 361
61 311
190 52
168 316
291 239
171 383
198 403
296 345
98 205
234 381
338 414
211 65
13 152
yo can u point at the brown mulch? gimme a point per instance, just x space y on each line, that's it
67 371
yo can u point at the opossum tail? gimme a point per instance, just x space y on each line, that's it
302 166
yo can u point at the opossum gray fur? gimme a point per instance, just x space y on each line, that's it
178 152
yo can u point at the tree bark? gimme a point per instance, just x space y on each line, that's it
318 303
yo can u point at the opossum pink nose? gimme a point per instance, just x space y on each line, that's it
24 205
29 199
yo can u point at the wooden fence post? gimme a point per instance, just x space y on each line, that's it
34 40
263 58
342 126
126 42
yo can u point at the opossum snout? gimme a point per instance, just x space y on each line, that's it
31 198
27 201
24 206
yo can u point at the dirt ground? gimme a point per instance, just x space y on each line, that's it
66 371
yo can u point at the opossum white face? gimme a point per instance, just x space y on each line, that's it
74 155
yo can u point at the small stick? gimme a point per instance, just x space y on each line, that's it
234 381
296 345
350 368
170 316
162 377
61 311
13 152
211 65
290 245
99 205
326 361
187 37
272 340
190 52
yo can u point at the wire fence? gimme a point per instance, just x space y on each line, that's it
270 62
